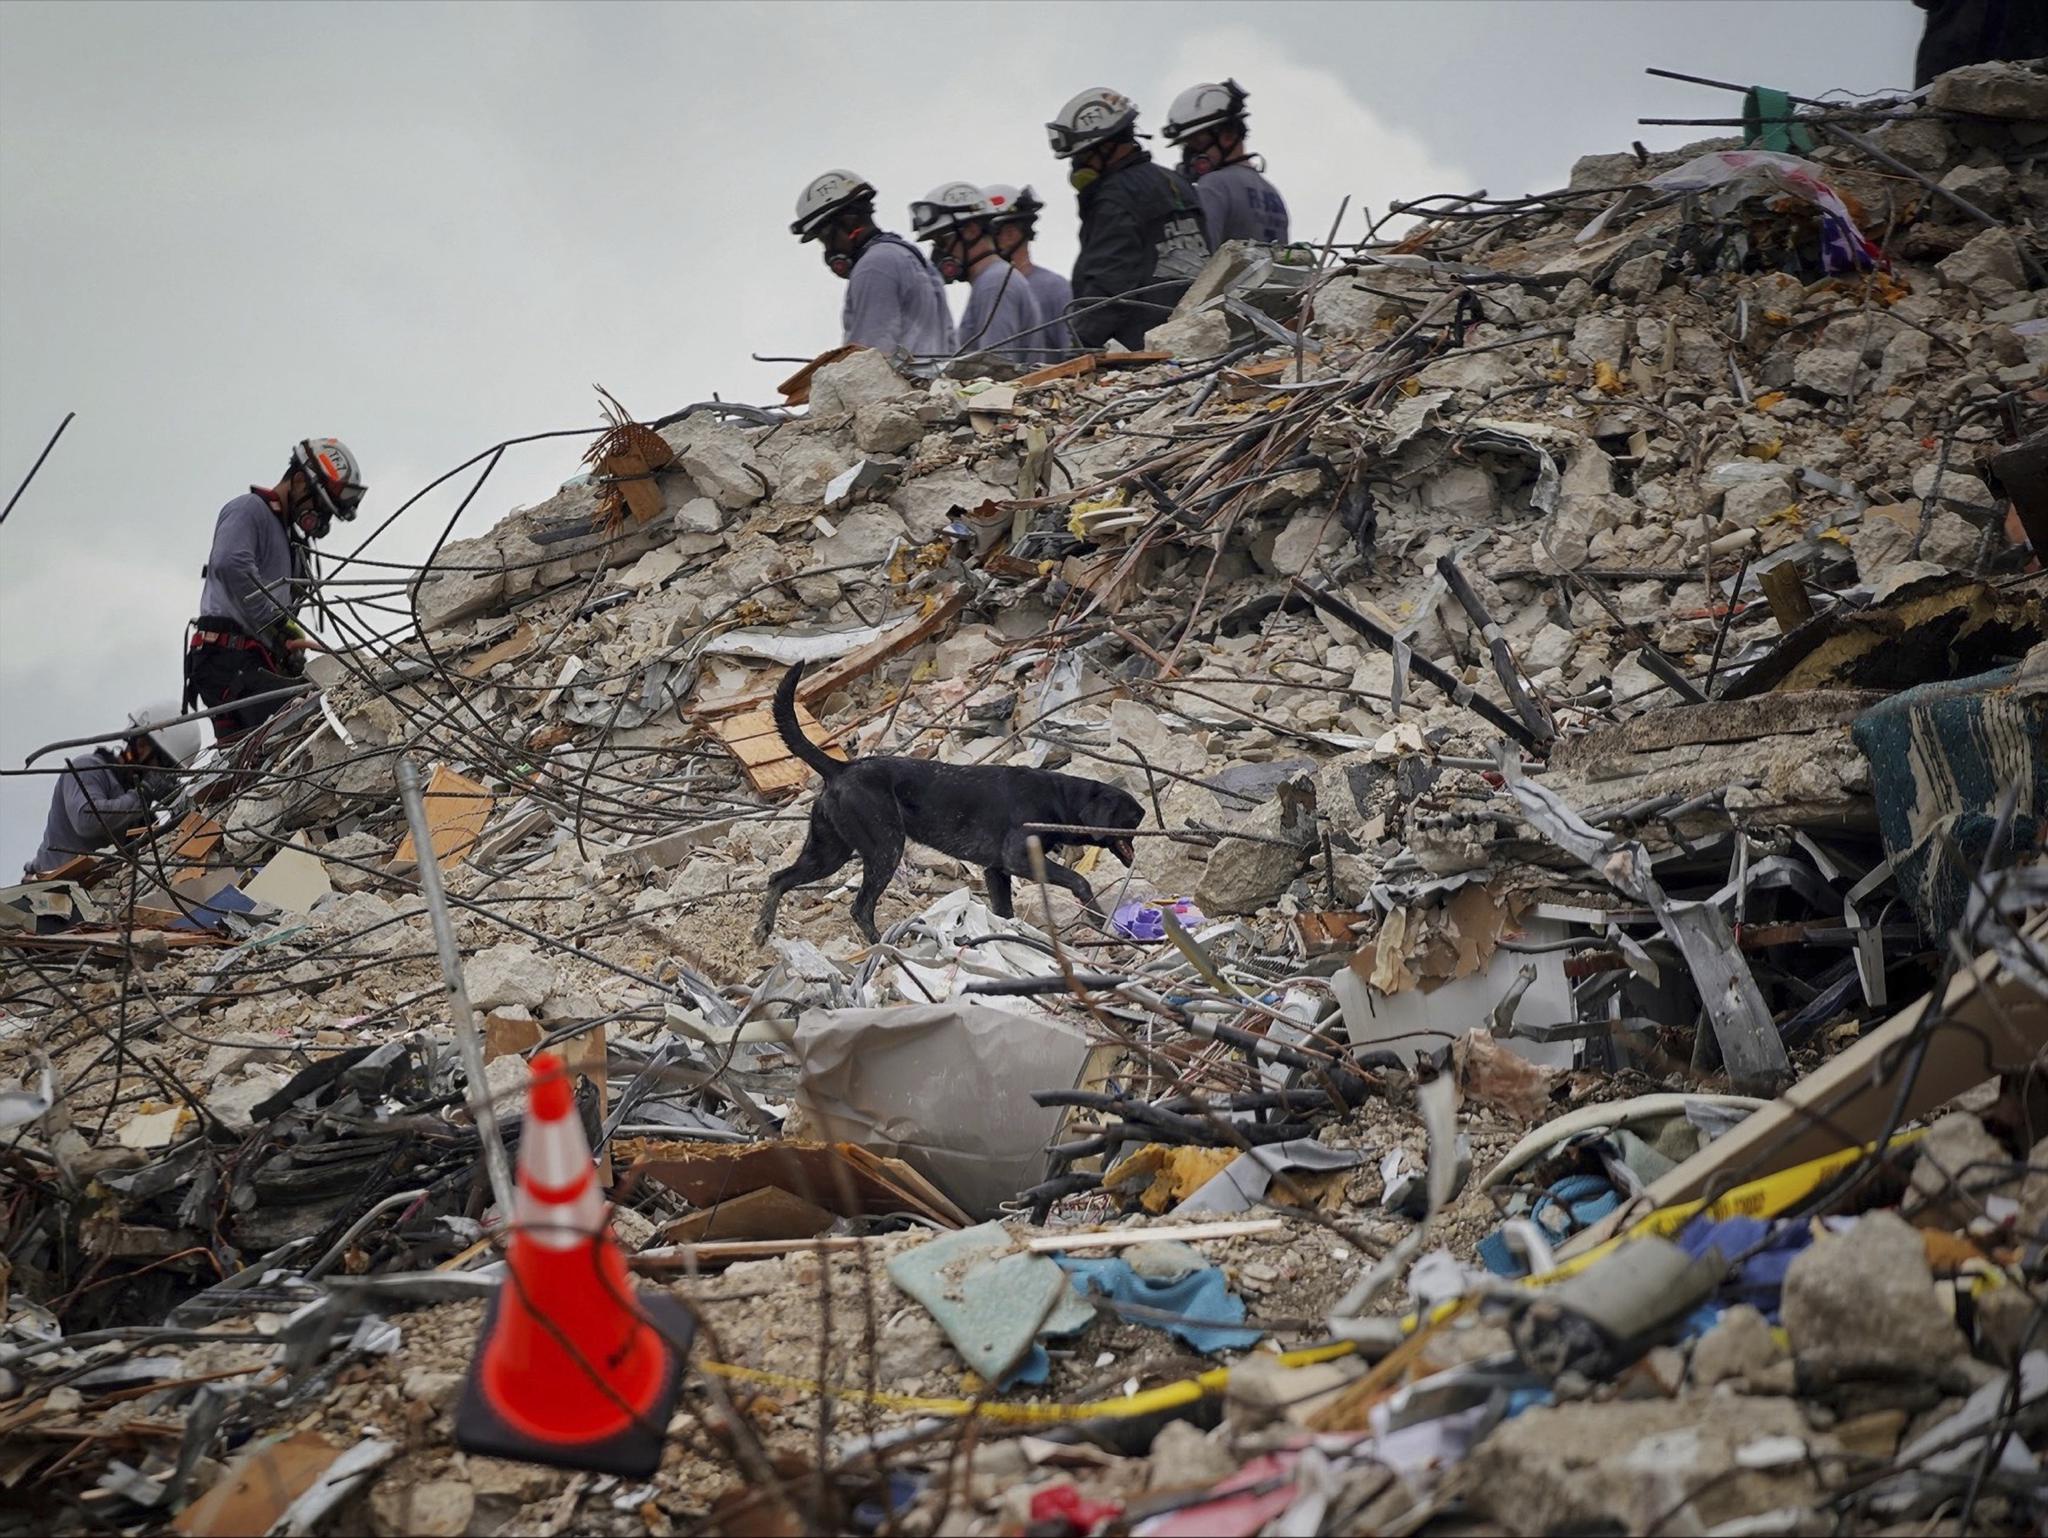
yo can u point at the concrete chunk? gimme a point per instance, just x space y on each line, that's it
1996 89
1989 267
509 974
1203 334
856 380
1866 1299
1637 1467
1829 371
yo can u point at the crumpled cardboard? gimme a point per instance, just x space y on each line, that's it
944 1087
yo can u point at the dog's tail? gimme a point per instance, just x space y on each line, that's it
791 731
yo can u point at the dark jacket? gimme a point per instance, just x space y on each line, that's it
256 573
95 801
1963 32
1140 224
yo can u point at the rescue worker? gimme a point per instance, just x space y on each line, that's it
1963 32
106 797
1017 211
1207 126
247 639
1141 226
895 303
1002 318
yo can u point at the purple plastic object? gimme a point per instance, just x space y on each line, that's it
1142 921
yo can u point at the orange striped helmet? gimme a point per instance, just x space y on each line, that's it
334 474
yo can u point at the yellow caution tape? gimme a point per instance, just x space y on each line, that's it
1169 1396
1764 1198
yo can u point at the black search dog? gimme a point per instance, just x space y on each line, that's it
976 813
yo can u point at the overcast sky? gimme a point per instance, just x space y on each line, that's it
424 228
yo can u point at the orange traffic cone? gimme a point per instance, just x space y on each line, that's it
572 1372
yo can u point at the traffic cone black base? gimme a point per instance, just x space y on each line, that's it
633 1453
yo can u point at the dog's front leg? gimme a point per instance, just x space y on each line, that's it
1017 859
997 880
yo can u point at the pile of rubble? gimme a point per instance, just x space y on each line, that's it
1566 1055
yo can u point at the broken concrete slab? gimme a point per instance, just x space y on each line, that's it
509 974
1639 1466
1864 1302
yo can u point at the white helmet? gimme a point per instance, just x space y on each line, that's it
1012 205
1095 115
1204 106
948 206
334 474
824 196
176 744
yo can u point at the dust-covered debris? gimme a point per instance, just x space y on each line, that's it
1586 701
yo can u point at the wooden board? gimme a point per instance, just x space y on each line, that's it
1088 363
1072 368
633 478
503 651
457 809
842 1178
195 840
769 1213
258 1487
944 609
80 868
111 942
688 1257
770 767
1273 368
585 1055
1322 932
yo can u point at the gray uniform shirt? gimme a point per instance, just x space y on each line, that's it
1240 204
1054 294
249 570
1002 318
95 802
895 301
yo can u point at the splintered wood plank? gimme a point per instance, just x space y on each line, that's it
770 767
196 838
1072 368
633 477
80 868
457 809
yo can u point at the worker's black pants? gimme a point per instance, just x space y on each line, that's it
221 674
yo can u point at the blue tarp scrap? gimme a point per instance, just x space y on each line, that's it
1759 1279
1573 1203
1210 1315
